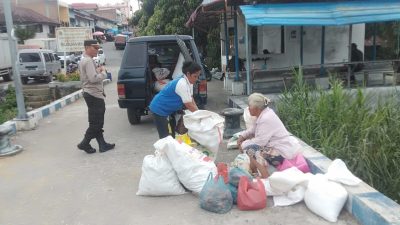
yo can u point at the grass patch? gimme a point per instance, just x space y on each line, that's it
356 127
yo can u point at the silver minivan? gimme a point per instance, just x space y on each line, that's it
38 64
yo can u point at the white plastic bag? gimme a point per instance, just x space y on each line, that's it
338 172
206 127
191 165
158 177
325 198
242 161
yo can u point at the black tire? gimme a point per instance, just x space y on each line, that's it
49 78
134 116
24 80
8 77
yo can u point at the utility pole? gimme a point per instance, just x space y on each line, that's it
13 51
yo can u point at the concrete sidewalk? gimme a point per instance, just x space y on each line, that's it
51 182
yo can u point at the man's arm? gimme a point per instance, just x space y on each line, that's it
94 75
191 106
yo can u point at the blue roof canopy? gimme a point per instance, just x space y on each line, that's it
321 14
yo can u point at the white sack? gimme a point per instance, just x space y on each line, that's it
268 189
160 84
325 198
206 127
292 197
338 172
284 181
158 177
191 165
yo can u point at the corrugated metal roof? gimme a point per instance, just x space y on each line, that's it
319 14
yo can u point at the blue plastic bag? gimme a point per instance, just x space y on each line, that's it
234 192
216 196
235 174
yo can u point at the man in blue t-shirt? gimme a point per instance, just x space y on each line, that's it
174 96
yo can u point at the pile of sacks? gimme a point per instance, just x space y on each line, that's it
323 194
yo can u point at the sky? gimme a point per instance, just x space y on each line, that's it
133 3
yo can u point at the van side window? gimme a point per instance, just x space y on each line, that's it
29 57
51 57
46 57
134 55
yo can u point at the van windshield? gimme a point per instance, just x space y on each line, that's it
29 57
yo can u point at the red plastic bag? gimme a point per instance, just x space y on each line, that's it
223 171
251 195
299 161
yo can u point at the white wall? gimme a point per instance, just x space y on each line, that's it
336 44
43 34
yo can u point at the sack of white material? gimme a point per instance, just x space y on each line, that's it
206 127
325 198
158 177
160 84
284 181
161 73
191 165
338 172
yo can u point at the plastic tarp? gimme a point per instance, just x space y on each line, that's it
322 13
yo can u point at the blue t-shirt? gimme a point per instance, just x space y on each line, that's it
167 101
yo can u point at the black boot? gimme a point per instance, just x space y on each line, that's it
103 145
85 145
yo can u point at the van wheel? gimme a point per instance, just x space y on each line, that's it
134 116
24 80
49 78
8 77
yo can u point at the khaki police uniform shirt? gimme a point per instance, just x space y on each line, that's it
92 82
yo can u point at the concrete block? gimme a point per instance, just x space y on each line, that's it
237 88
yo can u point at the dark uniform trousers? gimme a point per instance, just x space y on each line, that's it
96 111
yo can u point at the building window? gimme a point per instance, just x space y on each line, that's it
38 28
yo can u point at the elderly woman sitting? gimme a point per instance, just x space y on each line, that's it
268 136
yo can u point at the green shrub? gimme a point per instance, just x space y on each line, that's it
75 76
8 106
61 77
358 128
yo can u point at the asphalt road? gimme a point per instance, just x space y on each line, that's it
53 183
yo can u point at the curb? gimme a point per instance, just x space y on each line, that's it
36 115
367 205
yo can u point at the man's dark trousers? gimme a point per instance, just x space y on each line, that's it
96 111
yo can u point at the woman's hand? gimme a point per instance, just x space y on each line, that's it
239 143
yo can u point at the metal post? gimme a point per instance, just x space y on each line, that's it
374 41
301 45
226 42
248 60
13 51
236 43
322 69
349 55
65 63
